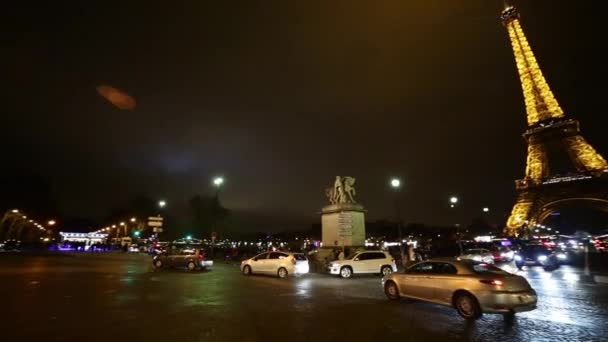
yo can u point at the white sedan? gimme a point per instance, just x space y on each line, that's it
280 264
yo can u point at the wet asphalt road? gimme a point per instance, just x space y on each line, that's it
118 297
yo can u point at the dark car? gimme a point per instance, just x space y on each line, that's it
192 259
539 255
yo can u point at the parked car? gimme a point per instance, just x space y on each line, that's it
192 259
471 288
364 262
281 264
478 255
502 254
539 255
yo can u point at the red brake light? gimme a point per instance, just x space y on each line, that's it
200 256
492 282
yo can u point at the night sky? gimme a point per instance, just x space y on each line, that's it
279 97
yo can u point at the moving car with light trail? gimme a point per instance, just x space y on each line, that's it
503 254
377 262
539 255
281 264
192 259
471 288
478 255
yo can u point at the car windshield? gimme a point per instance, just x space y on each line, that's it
351 257
473 251
537 248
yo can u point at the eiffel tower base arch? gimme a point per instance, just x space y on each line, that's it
535 204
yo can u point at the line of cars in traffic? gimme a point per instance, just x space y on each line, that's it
470 286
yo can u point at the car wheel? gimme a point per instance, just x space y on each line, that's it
247 270
158 264
391 291
467 306
191 266
386 270
282 273
346 272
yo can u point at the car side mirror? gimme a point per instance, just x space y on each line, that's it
356 259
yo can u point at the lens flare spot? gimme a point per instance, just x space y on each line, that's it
118 98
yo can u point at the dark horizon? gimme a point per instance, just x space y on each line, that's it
368 90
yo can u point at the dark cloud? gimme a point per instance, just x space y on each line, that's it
280 96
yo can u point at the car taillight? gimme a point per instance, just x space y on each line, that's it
492 282
201 257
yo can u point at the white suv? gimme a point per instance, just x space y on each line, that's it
364 262
280 264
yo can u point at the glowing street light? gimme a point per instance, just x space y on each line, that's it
133 219
162 203
122 223
486 209
395 183
15 211
218 181
453 199
113 226
51 222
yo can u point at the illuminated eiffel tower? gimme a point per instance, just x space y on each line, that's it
561 165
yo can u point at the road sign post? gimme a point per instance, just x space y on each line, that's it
156 223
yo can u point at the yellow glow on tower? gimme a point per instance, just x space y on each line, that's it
519 215
540 102
584 155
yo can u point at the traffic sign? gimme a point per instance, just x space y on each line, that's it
155 218
157 230
155 223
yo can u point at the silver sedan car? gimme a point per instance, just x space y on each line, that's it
471 288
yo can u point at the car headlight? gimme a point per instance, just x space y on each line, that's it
561 256
517 258
542 258
477 258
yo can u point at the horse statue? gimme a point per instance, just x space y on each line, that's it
343 191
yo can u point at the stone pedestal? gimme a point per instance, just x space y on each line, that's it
343 225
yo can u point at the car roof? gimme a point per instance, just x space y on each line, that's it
460 265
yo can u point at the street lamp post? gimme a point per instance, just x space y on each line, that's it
453 202
396 186
217 182
161 204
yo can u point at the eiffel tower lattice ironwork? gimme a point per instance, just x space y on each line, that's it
544 188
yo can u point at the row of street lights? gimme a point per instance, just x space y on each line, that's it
453 200
20 220
217 182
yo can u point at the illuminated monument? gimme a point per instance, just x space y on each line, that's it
561 165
